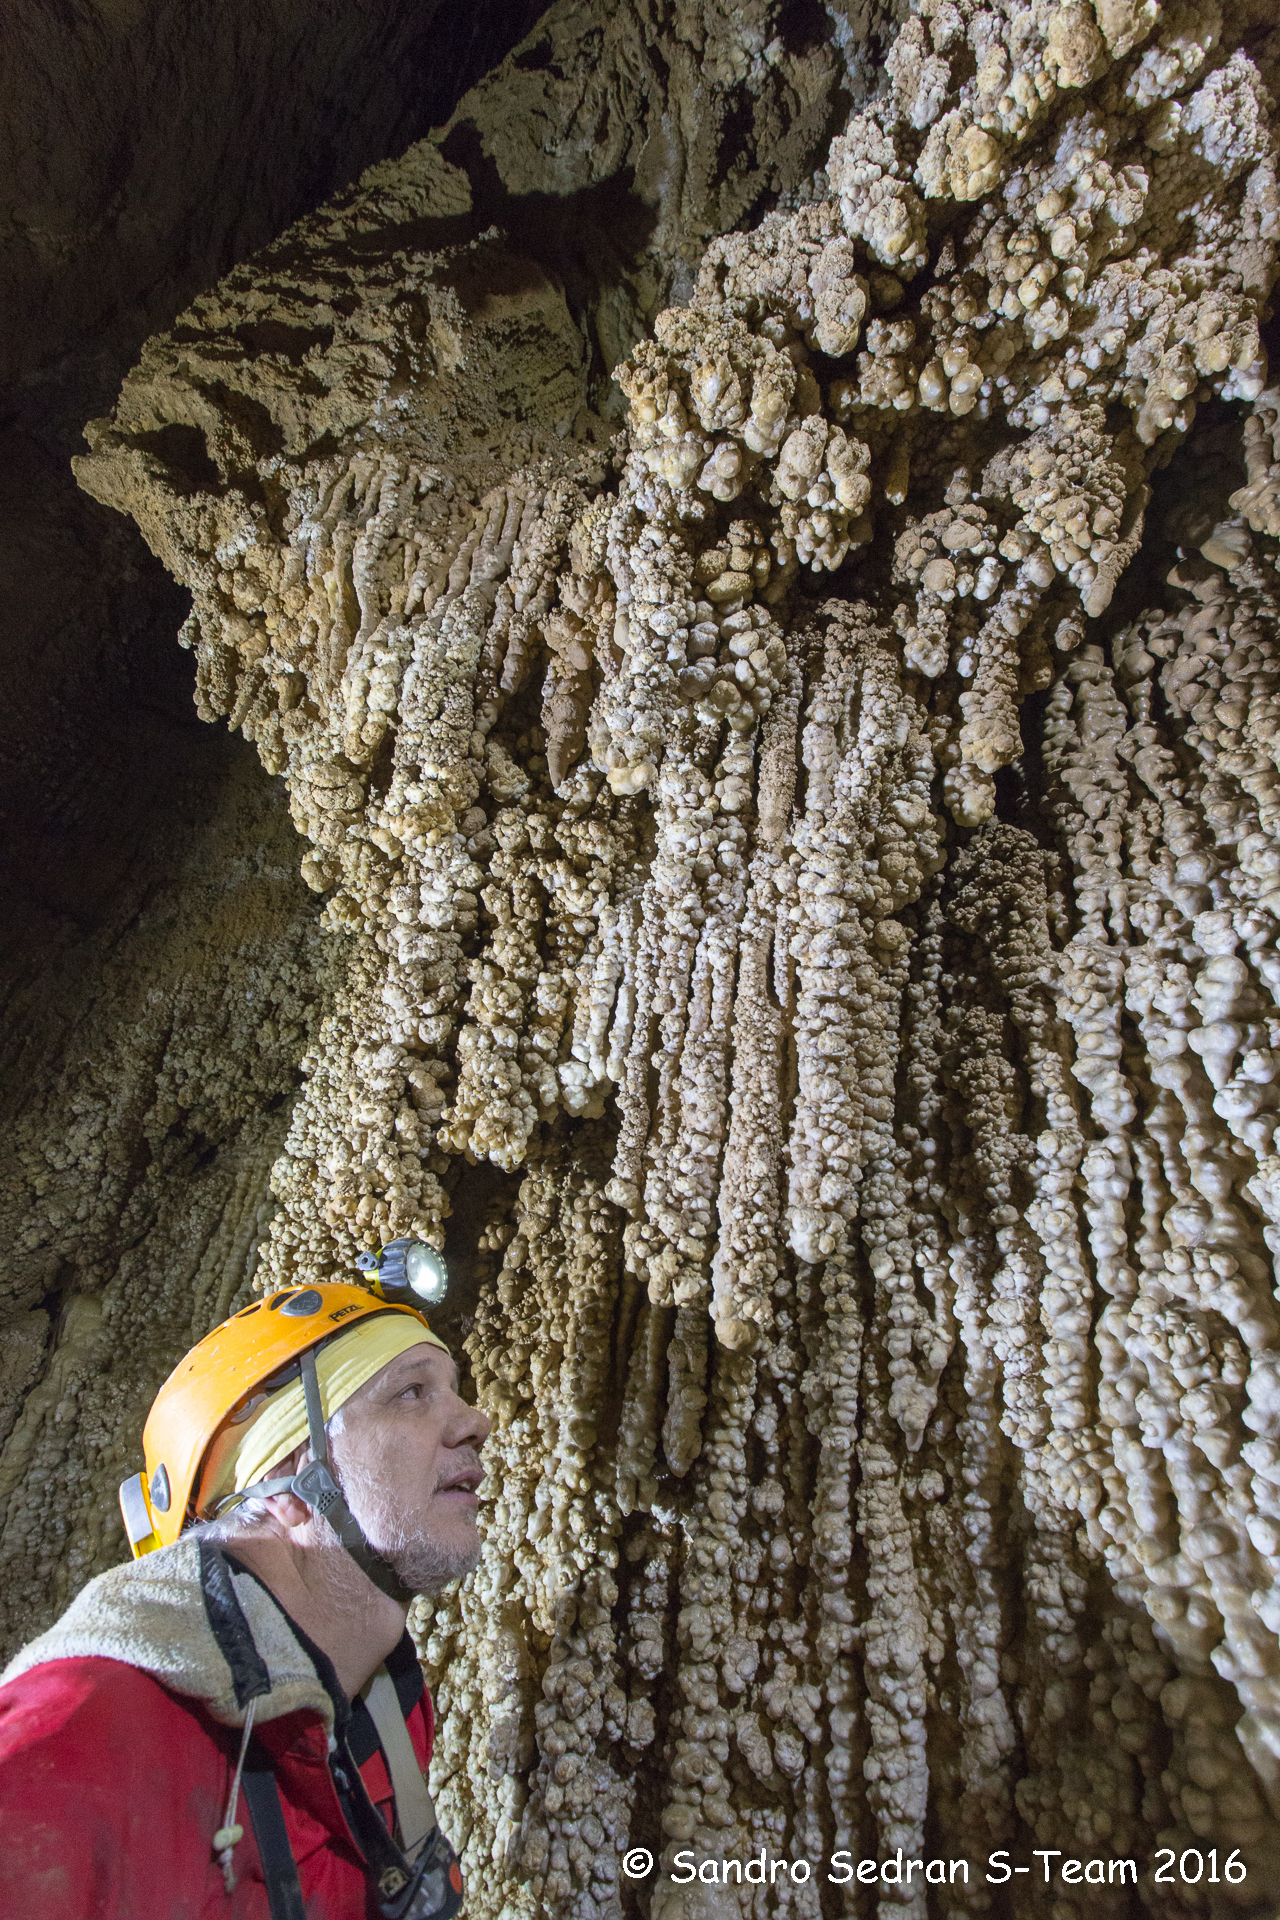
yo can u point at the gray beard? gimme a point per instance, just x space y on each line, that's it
423 1566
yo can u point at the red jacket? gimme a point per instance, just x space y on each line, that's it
114 1779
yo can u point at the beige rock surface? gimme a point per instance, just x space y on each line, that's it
803 877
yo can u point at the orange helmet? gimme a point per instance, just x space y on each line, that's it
216 1378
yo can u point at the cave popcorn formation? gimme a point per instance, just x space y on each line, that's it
883 1350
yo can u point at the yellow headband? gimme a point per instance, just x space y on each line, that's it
242 1452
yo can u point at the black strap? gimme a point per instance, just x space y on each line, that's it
249 1676
279 1868
429 1889
317 1486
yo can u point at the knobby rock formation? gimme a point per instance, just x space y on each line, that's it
802 856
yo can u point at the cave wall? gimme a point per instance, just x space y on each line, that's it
799 886
158 1057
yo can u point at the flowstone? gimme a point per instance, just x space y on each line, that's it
811 835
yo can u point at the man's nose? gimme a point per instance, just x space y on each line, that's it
470 1427
482 1427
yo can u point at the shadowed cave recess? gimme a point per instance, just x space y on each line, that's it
748 554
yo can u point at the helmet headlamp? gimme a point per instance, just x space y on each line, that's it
407 1270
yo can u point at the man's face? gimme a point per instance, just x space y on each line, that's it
407 1454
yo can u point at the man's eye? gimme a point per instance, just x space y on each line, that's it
412 1393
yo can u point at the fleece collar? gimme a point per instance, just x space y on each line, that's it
200 1624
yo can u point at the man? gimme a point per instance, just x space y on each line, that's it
234 1726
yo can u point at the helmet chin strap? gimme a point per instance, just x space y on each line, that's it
317 1488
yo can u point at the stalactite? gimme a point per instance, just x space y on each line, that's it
884 1360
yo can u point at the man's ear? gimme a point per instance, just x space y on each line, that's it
286 1508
